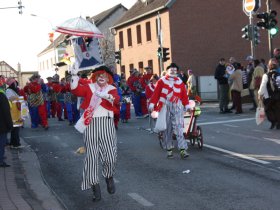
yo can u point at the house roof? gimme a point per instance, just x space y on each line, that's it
56 42
98 19
141 9
3 63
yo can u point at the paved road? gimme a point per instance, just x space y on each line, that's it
237 169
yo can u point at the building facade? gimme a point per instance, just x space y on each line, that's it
197 33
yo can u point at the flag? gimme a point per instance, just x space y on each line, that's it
87 53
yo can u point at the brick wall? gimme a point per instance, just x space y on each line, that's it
198 34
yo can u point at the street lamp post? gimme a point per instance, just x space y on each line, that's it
53 42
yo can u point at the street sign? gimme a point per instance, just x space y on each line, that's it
251 6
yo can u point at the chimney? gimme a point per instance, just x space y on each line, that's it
19 75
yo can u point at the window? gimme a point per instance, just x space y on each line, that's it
121 39
139 38
129 37
150 63
140 66
148 31
131 66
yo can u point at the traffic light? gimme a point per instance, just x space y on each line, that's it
20 7
272 23
274 31
247 32
159 53
264 20
165 54
256 35
118 57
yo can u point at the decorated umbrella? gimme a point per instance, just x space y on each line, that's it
79 27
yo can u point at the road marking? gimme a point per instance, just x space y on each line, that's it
56 137
236 154
273 140
140 199
233 126
31 137
226 121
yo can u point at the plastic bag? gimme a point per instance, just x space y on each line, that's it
260 115
161 120
245 92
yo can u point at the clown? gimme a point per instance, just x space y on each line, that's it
97 125
170 93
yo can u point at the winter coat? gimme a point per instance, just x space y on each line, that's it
6 123
220 74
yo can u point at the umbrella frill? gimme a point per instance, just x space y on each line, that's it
79 27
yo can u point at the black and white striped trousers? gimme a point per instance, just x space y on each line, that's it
100 142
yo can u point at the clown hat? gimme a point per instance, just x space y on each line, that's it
100 70
173 65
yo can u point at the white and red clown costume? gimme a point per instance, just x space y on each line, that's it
171 92
97 124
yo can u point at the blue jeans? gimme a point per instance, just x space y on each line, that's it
3 141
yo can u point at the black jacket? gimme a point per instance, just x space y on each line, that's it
219 74
6 123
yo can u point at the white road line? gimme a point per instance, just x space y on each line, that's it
233 126
277 141
140 199
226 121
236 154
31 137
56 137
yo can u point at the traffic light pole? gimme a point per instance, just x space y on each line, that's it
160 44
268 4
253 36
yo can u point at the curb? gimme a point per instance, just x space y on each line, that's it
35 181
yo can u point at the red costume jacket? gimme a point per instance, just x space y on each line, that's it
164 88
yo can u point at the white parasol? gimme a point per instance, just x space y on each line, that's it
79 27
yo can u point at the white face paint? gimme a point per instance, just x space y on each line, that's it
102 79
172 72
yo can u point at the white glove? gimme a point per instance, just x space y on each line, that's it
74 82
73 70
151 107
187 108
103 95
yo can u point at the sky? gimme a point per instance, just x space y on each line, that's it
23 37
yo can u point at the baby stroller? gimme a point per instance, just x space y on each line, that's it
193 132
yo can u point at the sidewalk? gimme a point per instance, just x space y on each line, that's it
22 186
